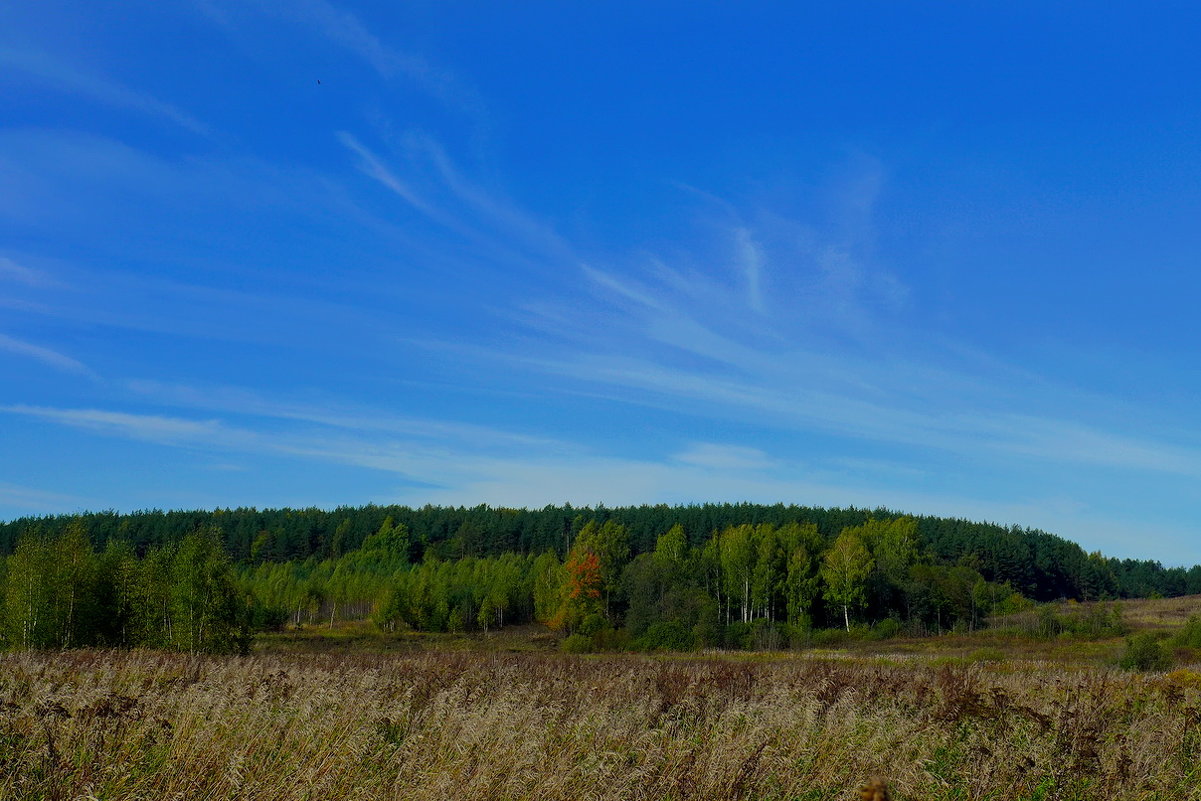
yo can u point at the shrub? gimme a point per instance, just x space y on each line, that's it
591 624
830 638
1144 652
859 632
1049 624
576 644
886 629
611 639
1190 635
666 636
737 635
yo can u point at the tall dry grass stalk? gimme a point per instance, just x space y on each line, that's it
110 725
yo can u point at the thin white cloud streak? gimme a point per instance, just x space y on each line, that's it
44 355
145 427
704 471
20 274
347 31
500 214
800 408
500 228
751 257
725 457
334 414
373 167
429 452
56 75
625 289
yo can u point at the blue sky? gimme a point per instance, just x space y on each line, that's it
939 257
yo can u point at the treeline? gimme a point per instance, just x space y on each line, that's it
747 585
744 586
1039 565
58 591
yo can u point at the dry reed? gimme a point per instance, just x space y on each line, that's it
110 725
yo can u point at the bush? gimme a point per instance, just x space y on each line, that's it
1144 652
266 618
1190 635
666 636
611 639
830 638
886 629
1049 624
576 644
707 632
737 635
591 624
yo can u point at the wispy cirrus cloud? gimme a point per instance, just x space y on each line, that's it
725 457
429 182
463 472
45 355
347 31
27 276
52 73
750 255
146 427
338 414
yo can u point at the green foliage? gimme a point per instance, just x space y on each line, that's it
1145 652
576 644
59 593
886 629
1035 564
666 636
829 638
591 625
845 570
207 613
1189 636
708 576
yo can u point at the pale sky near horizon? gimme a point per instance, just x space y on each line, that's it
937 257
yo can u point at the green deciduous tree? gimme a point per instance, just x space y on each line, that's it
845 570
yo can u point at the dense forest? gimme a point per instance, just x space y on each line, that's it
653 576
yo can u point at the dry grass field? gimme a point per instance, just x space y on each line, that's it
470 725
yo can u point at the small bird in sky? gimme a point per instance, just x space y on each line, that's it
318 81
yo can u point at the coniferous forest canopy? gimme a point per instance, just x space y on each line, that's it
676 577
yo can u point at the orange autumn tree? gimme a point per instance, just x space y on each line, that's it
573 591
584 577
584 582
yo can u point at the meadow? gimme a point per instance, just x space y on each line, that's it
471 724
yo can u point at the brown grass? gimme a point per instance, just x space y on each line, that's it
110 725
